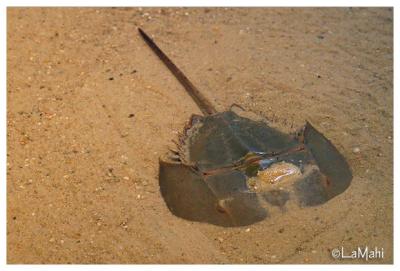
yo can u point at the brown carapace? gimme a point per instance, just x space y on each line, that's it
232 169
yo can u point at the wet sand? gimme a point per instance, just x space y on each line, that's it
90 110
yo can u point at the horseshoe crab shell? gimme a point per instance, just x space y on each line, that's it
233 169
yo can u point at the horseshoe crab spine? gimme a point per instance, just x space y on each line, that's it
202 102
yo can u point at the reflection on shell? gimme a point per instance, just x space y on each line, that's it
278 172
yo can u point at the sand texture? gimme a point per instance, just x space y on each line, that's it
90 109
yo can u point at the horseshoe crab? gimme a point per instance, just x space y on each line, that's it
232 169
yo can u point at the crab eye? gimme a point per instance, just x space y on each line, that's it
252 169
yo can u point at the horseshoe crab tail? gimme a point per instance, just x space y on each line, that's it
205 106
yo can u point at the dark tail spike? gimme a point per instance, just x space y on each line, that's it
204 105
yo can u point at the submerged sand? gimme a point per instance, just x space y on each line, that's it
90 110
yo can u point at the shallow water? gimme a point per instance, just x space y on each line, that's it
82 174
